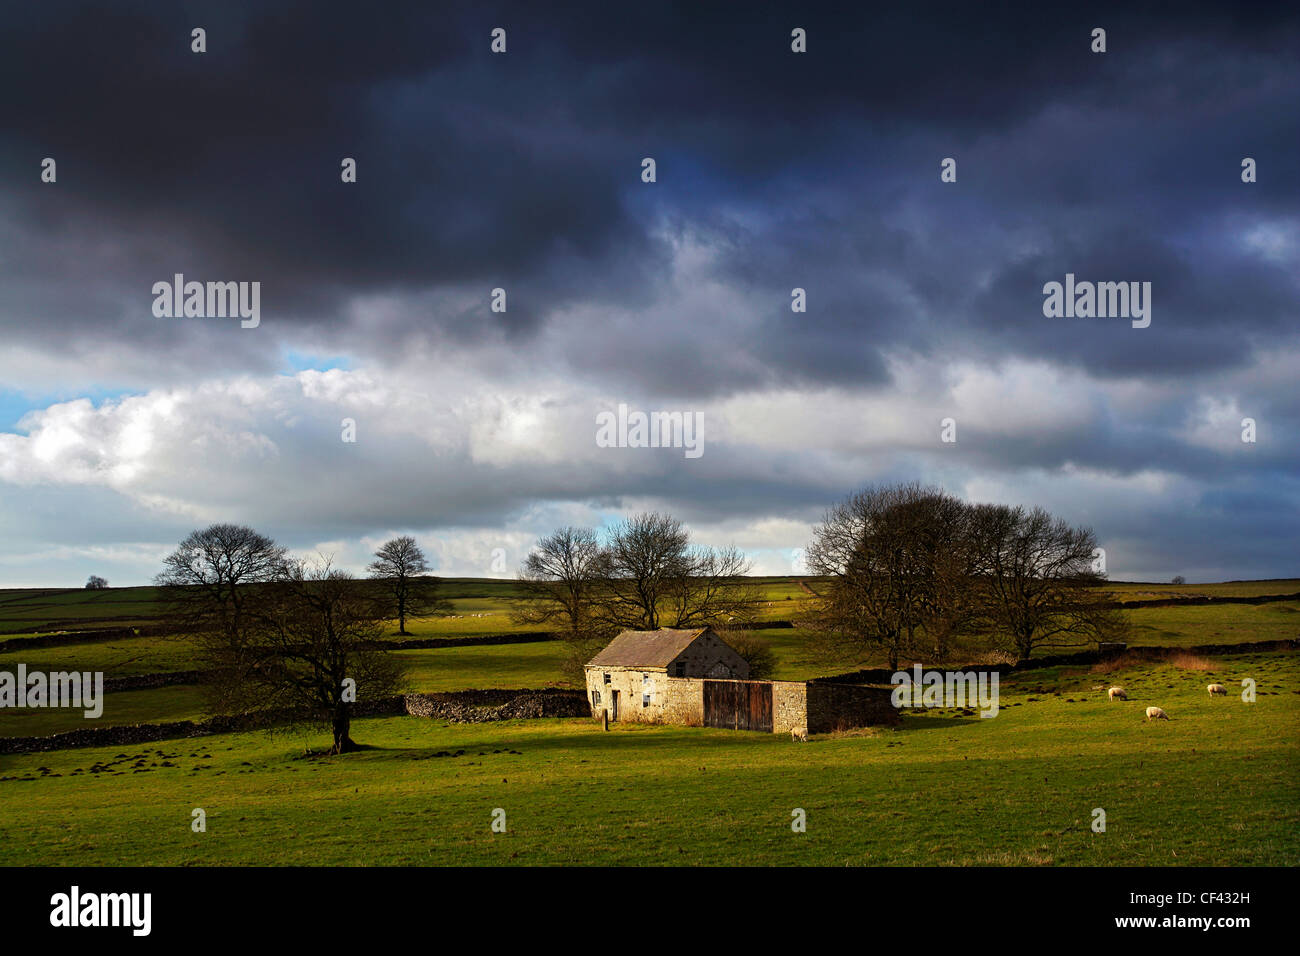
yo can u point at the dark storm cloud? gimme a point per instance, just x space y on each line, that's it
775 171
522 171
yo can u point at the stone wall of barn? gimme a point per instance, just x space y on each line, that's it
821 708
833 707
684 702
709 656
631 684
789 705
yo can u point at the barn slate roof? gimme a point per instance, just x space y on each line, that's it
646 648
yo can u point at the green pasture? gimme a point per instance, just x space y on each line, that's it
1219 784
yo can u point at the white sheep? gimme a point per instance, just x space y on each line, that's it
1117 693
1217 689
1156 713
799 733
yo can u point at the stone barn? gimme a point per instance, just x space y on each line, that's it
629 678
693 677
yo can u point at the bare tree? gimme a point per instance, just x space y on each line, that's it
560 580
715 589
210 578
897 561
645 555
400 569
311 651
907 561
651 576
645 576
942 559
96 583
1038 580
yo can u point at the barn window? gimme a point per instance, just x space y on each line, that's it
645 700
595 697
606 677
646 689
681 668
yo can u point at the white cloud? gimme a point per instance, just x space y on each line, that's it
477 468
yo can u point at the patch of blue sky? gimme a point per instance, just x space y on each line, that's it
297 361
14 404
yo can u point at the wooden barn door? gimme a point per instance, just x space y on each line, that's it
738 705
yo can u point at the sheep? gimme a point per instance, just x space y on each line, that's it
1156 713
799 734
1217 689
1117 693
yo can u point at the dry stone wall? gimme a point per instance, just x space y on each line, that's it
833 707
473 706
684 702
789 706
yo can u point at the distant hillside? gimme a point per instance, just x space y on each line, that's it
487 601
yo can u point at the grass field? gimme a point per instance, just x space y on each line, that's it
442 669
1218 784
39 613
1124 591
153 706
48 610
481 607
1214 624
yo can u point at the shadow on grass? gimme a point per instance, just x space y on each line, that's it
936 721
582 738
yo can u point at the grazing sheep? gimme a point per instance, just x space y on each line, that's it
1117 693
1156 713
799 733
1217 689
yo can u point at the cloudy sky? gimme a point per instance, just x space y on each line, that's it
121 431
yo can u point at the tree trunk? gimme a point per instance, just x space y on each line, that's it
343 743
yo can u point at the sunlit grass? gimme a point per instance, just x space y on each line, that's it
1218 784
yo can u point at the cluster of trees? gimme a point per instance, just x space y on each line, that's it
910 571
642 574
300 636
96 583
911 568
